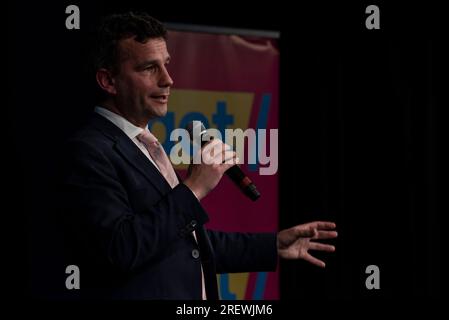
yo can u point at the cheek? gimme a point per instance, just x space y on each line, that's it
124 85
142 84
131 83
135 85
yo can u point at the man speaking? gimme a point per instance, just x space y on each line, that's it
136 230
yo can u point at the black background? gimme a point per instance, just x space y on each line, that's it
358 136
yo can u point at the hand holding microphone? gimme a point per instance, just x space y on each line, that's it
204 177
217 159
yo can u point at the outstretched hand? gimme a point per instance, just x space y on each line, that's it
295 242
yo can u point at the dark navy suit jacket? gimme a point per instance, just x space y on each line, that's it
131 234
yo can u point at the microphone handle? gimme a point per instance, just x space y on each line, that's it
243 182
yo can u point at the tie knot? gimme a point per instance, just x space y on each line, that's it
147 138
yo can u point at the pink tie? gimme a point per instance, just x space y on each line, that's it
159 156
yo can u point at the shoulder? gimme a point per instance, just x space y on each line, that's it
95 134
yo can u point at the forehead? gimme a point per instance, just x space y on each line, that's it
152 49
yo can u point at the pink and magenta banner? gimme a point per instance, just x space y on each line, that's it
229 82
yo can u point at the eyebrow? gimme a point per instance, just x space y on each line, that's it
150 62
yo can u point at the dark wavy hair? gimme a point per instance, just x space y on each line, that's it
116 27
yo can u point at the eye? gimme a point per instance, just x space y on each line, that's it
151 68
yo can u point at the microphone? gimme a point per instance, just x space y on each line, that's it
235 173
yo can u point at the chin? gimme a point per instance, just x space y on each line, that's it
157 112
162 112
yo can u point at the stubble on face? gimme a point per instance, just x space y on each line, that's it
143 82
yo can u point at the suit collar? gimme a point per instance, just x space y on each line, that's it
128 150
127 127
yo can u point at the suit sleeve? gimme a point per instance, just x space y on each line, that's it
244 252
97 207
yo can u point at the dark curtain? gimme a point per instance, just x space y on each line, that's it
358 137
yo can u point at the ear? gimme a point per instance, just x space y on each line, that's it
106 81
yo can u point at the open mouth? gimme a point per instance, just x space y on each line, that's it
160 98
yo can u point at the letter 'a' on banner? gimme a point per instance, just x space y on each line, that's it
229 79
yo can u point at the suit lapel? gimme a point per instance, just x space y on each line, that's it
131 153
137 159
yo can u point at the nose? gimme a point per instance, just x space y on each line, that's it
165 80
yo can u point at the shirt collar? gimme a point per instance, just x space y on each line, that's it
127 127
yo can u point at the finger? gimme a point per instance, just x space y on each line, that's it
326 235
229 164
227 157
321 246
226 147
314 261
215 153
232 160
212 142
210 151
300 231
325 225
